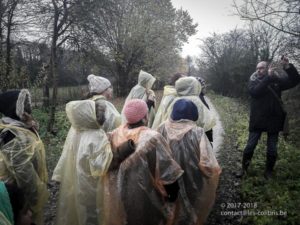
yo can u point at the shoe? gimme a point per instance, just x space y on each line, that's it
271 160
240 173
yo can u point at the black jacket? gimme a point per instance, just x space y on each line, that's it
266 113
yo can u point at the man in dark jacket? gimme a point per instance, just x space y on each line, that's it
266 110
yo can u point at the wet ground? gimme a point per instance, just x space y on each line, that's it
228 191
218 131
50 209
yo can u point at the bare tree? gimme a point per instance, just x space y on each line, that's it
8 11
62 20
135 35
231 57
282 15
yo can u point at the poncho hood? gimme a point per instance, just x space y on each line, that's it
146 80
169 90
188 86
177 129
82 115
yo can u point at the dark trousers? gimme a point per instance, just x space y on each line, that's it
272 140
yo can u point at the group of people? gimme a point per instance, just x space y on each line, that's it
147 165
140 166
116 168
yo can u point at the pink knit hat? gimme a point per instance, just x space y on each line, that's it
135 110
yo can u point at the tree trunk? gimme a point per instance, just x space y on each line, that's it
53 70
53 75
8 58
122 81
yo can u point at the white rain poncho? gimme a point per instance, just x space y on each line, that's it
142 91
112 116
192 151
134 193
189 88
168 96
22 160
85 159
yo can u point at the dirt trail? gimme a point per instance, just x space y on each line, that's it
218 131
229 186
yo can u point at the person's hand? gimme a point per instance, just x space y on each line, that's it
272 72
284 61
29 121
151 95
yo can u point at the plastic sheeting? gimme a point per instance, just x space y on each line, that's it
23 160
4 220
134 194
85 159
189 88
168 96
112 116
192 151
142 91
5 205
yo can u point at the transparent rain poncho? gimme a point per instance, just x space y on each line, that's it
23 160
112 116
134 193
85 159
189 88
192 151
161 115
142 91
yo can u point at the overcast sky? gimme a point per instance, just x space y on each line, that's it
211 16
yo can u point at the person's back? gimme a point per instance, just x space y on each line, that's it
22 153
189 88
192 151
143 91
169 95
86 157
135 194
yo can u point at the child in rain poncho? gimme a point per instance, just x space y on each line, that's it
143 91
138 192
192 151
100 90
189 88
86 156
85 159
168 96
22 153
209 133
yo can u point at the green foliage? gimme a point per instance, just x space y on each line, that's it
282 192
53 142
65 94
